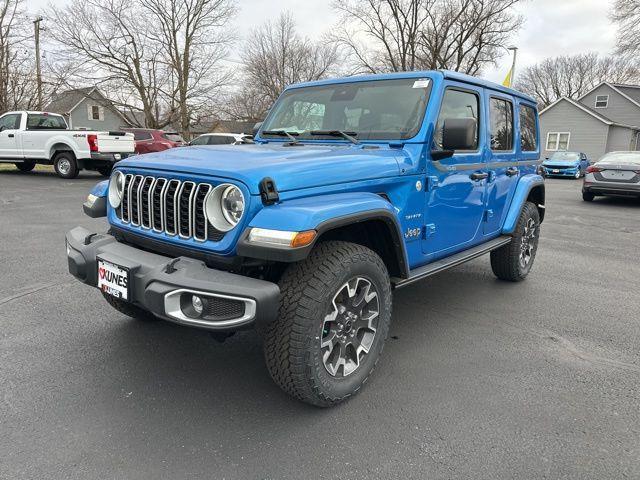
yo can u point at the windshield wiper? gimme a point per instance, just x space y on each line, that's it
337 133
282 133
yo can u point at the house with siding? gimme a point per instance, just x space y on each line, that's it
87 108
605 119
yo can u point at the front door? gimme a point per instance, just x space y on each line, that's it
455 185
9 125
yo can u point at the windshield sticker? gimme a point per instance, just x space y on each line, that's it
422 83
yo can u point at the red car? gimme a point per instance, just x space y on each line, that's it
149 140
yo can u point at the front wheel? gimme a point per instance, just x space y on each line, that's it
25 166
578 174
334 319
105 171
513 261
65 165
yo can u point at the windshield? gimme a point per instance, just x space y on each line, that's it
621 157
565 156
43 121
374 110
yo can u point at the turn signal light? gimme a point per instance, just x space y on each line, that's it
593 169
282 238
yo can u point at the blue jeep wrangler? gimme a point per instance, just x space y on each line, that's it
354 187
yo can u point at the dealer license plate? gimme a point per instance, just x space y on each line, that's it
113 279
555 170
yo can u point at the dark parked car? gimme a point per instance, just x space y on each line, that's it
149 140
617 173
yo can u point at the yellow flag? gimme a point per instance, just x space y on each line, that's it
507 80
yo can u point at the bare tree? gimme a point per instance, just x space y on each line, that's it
400 35
626 15
115 53
573 76
275 56
193 39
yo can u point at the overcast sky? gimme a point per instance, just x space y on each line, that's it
552 27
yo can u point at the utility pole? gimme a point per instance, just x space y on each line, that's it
36 27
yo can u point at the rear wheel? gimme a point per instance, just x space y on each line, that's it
588 196
65 165
129 309
25 166
334 319
513 261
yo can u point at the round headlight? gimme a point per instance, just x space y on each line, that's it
116 189
224 207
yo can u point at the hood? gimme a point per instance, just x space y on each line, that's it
291 168
562 163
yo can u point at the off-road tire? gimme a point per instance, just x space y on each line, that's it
129 309
588 196
25 166
105 171
292 342
60 167
505 261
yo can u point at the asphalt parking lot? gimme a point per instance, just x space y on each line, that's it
482 379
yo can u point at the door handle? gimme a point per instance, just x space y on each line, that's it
11 135
511 171
477 176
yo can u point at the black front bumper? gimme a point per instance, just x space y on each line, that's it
156 281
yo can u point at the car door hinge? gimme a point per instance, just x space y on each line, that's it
428 230
432 183
488 214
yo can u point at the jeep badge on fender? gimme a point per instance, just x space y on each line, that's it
304 234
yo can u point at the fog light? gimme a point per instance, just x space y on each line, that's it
197 304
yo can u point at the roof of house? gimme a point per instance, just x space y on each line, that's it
631 91
66 102
588 110
618 88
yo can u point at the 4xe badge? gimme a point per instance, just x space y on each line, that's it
113 280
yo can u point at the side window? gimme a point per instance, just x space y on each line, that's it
216 140
203 140
139 135
456 104
501 112
10 121
528 133
602 101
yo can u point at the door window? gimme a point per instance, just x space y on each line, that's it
203 140
10 121
140 135
456 104
528 131
501 112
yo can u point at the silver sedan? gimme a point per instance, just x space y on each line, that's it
617 173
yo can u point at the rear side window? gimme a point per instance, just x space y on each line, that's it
39 121
456 104
172 137
528 132
221 140
141 135
203 140
501 112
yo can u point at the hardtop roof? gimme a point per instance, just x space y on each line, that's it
446 74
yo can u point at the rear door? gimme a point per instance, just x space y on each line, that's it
502 166
10 125
456 185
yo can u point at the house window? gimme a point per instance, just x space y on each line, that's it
558 141
96 112
602 101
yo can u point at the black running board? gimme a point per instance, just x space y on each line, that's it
451 261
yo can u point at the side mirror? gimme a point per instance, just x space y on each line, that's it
459 134
256 128
2 128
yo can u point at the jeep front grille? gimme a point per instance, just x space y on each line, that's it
167 206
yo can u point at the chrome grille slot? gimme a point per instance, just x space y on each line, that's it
167 206
156 205
199 218
145 202
170 197
134 199
185 201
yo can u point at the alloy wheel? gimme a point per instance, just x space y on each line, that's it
528 243
349 329
64 166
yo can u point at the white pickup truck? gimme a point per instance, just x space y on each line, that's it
28 138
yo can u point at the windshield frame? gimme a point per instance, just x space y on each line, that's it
417 133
